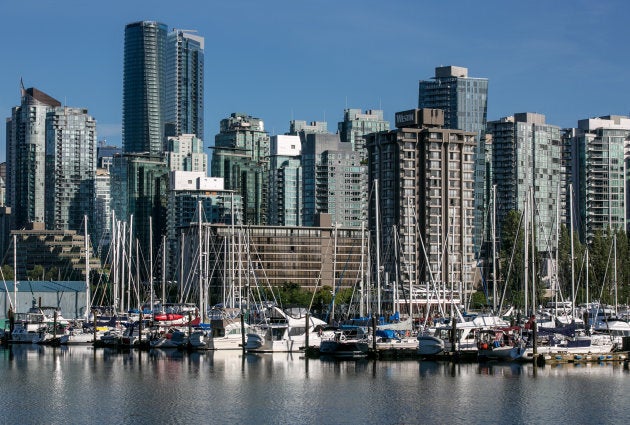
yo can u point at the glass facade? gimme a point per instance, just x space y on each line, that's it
139 187
70 168
356 125
186 153
101 223
144 87
334 181
465 104
26 158
184 84
285 181
528 157
598 173
241 157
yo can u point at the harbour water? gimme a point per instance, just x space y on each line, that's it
81 385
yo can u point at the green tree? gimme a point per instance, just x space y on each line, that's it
52 274
36 273
7 272
601 266
512 256
478 300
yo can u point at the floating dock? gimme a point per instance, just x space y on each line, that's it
560 358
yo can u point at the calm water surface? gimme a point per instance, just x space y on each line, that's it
85 385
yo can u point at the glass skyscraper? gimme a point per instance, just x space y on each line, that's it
464 101
162 96
598 173
144 88
526 157
70 168
184 83
26 157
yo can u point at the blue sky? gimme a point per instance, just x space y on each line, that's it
309 60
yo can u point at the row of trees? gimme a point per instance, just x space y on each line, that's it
603 283
293 295
38 273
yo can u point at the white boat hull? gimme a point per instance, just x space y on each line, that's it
429 345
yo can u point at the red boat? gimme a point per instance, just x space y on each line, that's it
163 317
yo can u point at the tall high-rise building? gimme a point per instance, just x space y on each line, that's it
285 181
144 87
184 83
141 172
241 157
527 159
464 101
26 157
163 96
424 174
356 124
597 171
70 168
334 181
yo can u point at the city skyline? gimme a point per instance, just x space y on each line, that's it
281 62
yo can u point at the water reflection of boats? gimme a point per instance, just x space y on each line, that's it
501 368
428 367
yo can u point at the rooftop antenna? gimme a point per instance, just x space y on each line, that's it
346 102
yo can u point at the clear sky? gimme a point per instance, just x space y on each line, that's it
309 60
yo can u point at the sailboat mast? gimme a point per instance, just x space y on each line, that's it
138 274
334 274
557 267
396 268
572 266
586 277
232 256
200 261
15 272
494 248
129 262
411 266
163 271
526 252
615 270
362 272
378 252
114 272
533 256
151 260
87 271
181 269
122 267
